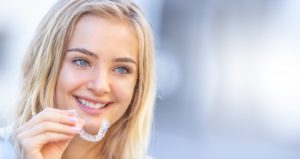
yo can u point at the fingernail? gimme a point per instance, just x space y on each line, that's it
72 112
73 119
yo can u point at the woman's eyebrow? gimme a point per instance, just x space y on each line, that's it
90 53
124 59
84 51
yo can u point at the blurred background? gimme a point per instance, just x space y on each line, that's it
228 74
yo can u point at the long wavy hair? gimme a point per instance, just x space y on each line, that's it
128 138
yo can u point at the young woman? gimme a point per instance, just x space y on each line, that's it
90 62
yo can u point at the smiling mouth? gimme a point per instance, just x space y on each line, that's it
91 105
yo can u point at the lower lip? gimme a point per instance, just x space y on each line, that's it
91 111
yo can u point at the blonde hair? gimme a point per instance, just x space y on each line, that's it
128 138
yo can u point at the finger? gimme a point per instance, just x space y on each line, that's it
51 114
52 137
38 141
46 127
61 111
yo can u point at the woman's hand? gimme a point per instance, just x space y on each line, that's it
47 135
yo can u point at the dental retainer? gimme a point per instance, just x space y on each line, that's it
95 138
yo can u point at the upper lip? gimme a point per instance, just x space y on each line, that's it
93 100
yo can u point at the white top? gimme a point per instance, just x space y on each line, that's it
7 150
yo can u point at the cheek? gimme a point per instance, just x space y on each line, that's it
123 91
67 82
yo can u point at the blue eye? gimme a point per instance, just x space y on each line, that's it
122 70
81 62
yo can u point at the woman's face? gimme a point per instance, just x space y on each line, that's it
99 71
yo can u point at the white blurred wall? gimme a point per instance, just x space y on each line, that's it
257 51
238 90
18 20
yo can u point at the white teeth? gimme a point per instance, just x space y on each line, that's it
91 105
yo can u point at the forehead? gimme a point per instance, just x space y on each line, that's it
105 35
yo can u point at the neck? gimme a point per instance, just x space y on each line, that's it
79 148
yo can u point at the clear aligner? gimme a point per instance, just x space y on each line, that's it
95 138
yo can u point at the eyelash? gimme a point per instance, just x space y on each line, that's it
127 70
78 62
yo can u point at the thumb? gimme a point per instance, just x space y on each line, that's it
58 148
55 149
64 144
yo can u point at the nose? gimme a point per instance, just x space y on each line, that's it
99 83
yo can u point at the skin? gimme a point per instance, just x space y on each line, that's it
100 66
